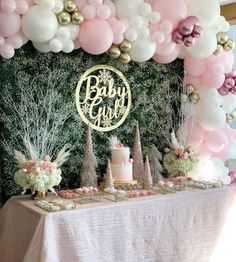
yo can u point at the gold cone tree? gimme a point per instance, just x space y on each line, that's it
138 165
88 173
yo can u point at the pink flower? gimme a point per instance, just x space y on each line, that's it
119 145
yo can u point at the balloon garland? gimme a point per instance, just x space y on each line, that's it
139 30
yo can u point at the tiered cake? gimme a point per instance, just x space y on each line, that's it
121 164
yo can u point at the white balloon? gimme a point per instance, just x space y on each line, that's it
229 103
206 11
56 45
131 34
210 117
154 17
58 6
39 26
158 37
136 21
46 4
142 50
127 9
68 46
204 46
63 33
221 25
144 9
210 97
143 32
74 31
42 47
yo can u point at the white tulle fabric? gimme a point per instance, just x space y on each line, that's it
183 227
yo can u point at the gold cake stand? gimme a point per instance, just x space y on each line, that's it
127 185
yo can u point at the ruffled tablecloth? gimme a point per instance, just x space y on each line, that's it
190 226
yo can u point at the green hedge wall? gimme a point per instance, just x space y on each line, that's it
155 105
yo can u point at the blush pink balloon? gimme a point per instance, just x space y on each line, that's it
9 24
175 14
224 154
186 26
229 83
8 6
210 80
168 58
90 38
216 141
166 49
226 59
15 41
229 132
7 51
103 12
194 66
89 12
21 6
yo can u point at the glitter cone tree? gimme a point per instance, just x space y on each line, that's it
147 179
155 167
138 165
108 177
88 173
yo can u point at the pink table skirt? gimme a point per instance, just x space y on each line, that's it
191 226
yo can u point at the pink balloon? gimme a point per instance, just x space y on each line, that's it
8 6
9 24
224 154
210 80
7 51
118 27
194 66
166 49
168 58
196 134
216 141
15 41
91 39
196 81
111 5
186 26
171 10
229 132
197 31
21 6
203 151
81 3
103 12
226 59
89 12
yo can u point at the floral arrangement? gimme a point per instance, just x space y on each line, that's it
37 174
179 160
115 142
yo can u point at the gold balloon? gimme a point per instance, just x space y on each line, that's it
69 6
77 18
229 118
124 58
194 98
125 46
221 38
219 49
63 18
229 45
189 89
114 51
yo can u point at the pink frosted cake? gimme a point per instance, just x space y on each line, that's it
121 164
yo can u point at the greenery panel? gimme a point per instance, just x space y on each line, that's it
155 105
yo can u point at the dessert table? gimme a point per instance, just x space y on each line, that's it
190 226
